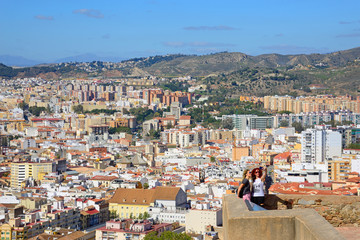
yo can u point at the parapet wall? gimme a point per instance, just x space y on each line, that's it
293 224
340 211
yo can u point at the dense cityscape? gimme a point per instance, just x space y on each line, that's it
179 120
122 158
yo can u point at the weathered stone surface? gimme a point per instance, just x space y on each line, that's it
293 224
304 202
337 210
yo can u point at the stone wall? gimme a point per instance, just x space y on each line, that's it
340 211
294 224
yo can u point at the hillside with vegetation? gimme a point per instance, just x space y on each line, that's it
224 73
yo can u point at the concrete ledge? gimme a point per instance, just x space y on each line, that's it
299 224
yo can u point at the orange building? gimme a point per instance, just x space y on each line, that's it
239 152
166 97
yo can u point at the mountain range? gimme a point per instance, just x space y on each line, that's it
232 72
233 61
19 61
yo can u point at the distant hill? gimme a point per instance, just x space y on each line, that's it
229 62
88 57
17 61
227 73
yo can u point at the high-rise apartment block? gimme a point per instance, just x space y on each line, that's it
22 171
248 122
319 145
312 103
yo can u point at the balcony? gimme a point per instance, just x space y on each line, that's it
291 224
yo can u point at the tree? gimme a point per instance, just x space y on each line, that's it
146 186
346 122
142 114
154 134
169 125
354 146
125 111
36 110
284 112
78 109
298 126
140 216
23 105
146 215
228 123
212 159
113 214
306 89
284 123
131 216
167 235
119 129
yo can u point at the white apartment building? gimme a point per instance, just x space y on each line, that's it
319 145
314 118
196 220
166 215
355 164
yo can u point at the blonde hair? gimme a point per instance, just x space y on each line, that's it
245 173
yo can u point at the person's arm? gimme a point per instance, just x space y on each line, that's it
238 191
264 174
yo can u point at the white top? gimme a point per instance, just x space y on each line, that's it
258 188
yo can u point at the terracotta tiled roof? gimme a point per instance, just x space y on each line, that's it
143 196
284 155
354 179
104 178
73 236
133 196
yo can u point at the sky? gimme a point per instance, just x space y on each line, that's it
52 29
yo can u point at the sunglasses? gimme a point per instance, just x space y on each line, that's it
257 172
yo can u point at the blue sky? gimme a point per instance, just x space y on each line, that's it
51 29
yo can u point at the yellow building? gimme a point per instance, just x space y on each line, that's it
221 134
131 202
6 231
38 104
21 171
338 170
32 202
267 157
127 202
14 124
13 230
